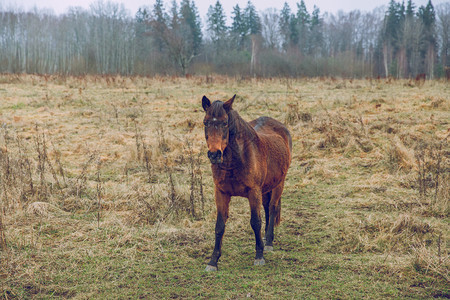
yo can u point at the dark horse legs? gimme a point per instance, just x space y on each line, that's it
255 199
222 205
272 205
266 202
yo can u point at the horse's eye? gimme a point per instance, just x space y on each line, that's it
205 123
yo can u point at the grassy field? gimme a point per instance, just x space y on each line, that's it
106 191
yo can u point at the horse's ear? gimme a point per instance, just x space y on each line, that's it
206 103
228 105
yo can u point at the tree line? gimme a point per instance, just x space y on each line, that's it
400 41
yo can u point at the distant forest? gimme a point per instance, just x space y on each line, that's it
169 39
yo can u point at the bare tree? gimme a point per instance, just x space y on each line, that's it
270 28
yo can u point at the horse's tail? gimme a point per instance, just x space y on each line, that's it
278 215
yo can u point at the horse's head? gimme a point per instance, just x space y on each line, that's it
216 127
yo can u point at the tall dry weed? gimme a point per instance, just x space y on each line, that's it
196 182
433 174
341 133
3 244
79 185
294 115
17 167
432 259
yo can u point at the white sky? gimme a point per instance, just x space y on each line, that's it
332 6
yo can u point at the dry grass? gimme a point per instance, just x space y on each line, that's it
114 167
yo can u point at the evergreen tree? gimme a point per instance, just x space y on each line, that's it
191 26
410 40
216 22
427 16
284 25
303 23
159 25
253 24
316 34
158 12
410 9
293 31
391 38
302 14
142 22
174 16
315 17
402 12
180 32
238 27
142 37
252 19
392 22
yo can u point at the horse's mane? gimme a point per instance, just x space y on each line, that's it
239 128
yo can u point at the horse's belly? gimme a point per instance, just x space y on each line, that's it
277 168
271 184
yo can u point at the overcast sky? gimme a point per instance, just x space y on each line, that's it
60 6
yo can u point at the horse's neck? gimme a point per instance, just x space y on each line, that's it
242 135
244 132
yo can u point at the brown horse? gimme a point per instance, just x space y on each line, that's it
248 159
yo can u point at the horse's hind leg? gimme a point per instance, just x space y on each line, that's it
266 201
274 215
254 199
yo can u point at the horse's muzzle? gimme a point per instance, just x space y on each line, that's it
215 157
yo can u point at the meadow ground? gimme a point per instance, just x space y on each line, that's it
106 191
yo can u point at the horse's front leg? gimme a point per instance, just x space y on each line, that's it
255 199
222 205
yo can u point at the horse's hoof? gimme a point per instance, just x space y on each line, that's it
210 268
268 248
259 262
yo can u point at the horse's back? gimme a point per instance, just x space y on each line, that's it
267 127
